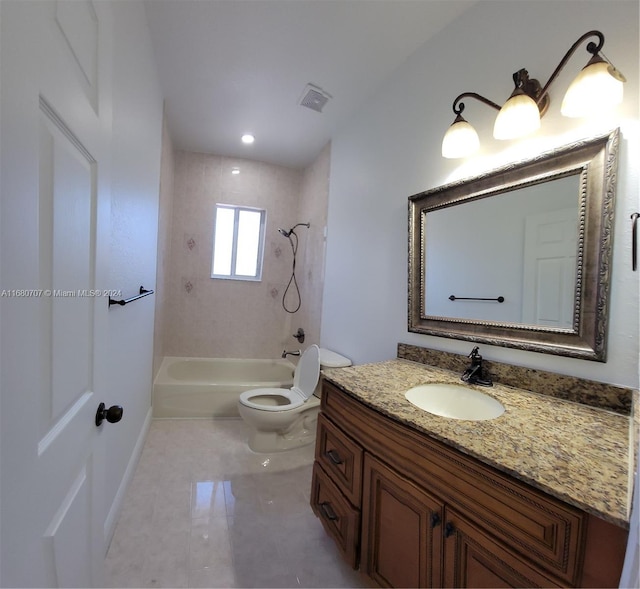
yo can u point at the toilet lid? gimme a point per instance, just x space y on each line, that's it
331 359
307 372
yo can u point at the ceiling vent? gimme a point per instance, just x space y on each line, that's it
314 98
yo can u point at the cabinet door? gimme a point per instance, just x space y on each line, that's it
401 530
472 558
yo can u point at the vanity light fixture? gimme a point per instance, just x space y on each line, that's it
598 86
235 171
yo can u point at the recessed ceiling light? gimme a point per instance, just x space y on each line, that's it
235 171
248 139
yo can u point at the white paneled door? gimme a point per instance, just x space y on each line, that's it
549 263
55 132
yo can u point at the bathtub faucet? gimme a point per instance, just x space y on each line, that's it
294 353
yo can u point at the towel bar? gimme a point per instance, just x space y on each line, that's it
143 293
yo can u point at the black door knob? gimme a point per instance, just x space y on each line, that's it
112 415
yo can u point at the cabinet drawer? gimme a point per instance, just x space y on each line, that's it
341 458
339 518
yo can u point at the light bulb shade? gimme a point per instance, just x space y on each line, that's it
460 140
597 87
518 117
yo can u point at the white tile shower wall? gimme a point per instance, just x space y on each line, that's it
229 318
165 215
313 209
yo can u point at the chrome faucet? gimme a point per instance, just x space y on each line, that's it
474 373
294 353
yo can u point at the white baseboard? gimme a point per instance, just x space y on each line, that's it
116 506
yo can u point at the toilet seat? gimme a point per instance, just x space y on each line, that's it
295 397
305 379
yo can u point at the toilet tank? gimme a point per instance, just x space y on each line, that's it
330 359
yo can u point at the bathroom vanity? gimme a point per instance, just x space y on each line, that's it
534 498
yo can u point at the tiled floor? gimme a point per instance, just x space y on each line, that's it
205 511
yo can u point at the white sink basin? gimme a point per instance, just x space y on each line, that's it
455 401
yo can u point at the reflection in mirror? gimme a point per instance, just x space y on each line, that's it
519 245
535 238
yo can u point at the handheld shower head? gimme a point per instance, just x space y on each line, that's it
294 249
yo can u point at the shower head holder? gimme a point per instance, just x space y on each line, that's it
288 233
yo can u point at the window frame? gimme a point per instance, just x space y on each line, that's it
237 209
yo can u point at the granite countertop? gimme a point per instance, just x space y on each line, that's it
573 452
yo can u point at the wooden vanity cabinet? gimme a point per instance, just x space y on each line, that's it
418 513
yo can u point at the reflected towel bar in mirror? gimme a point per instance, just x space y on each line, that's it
143 293
455 298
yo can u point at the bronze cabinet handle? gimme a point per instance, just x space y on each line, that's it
334 457
328 512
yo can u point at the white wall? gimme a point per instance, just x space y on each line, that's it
391 149
136 149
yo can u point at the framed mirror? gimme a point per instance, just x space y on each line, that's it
520 256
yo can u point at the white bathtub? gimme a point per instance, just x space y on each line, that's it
211 387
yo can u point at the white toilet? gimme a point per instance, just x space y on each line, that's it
283 419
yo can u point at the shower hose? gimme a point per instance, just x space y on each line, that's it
292 281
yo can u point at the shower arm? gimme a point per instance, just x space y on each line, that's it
288 233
